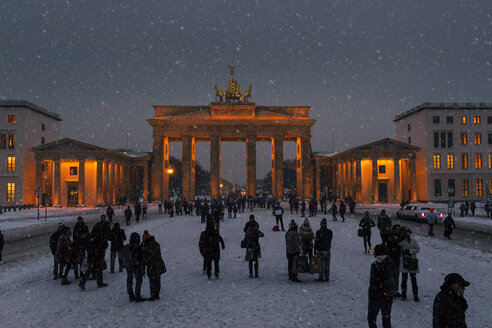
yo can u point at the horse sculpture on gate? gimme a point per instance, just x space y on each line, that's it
247 95
219 95
232 91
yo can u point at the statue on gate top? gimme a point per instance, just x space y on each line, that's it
233 91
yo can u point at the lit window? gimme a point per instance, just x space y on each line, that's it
477 139
11 119
11 163
463 138
464 188
476 119
3 141
464 161
450 161
73 170
435 119
478 161
478 188
463 119
437 161
10 192
490 186
490 161
11 141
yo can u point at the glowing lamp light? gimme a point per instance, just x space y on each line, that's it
221 185
170 171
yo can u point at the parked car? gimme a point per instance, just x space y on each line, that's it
416 212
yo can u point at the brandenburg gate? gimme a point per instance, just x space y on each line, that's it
232 117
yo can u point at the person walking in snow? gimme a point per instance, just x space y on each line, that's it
409 265
448 226
57 268
462 209
80 232
384 226
303 208
334 211
379 288
431 221
128 215
209 245
110 214
293 248
278 211
96 248
134 267
154 264
473 206
144 212
322 248
117 238
366 223
64 254
307 237
253 250
342 210
449 304
137 208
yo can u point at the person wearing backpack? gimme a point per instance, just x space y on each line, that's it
366 223
132 260
379 288
210 248
153 262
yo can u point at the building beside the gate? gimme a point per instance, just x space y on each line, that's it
74 173
381 171
23 125
455 157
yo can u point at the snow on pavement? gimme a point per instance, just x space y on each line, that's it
188 299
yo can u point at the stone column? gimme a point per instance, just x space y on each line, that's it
307 173
186 168
299 176
192 170
57 184
118 181
126 181
413 179
375 180
112 182
251 166
106 188
318 180
99 183
81 184
277 167
214 166
146 182
157 168
339 179
396 170
358 181
334 181
165 174
39 176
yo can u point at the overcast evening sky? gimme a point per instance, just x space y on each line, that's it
102 64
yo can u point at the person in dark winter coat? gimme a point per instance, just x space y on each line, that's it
96 248
462 209
1 245
152 260
334 211
278 211
253 250
128 215
342 210
366 223
293 248
110 214
64 253
209 245
394 253
409 249
138 210
80 232
379 288
57 268
472 208
448 226
322 248
384 226
251 223
133 260
449 305
144 212
117 237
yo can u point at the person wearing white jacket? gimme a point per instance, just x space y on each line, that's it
409 264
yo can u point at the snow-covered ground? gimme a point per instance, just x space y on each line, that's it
29 297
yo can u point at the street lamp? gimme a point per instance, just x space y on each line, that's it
170 171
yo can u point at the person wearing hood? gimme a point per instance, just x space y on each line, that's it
209 246
409 250
293 248
307 236
380 298
322 248
449 305
134 267
117 238
153 262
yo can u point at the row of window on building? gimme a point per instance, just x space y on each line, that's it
465 188
444 139
463 119
436 162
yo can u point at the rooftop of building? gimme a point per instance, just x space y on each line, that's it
31 106
456 106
